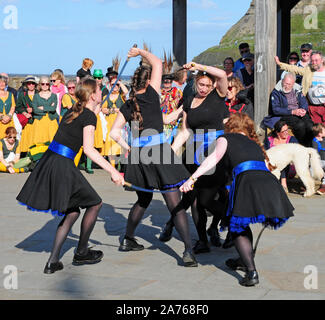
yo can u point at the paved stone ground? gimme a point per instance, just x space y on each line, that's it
156 272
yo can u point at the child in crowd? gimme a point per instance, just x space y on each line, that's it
319 144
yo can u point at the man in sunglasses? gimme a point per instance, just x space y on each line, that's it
243 49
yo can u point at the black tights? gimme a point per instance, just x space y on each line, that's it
175 207
201 200
244 246
87 226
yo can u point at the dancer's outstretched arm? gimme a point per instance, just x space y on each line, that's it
94 155
207 164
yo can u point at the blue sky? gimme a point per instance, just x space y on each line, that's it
60 33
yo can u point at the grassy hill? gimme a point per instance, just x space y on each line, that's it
244 31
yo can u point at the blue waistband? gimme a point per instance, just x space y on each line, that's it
149 140
319 145
207 138
62 150
244 166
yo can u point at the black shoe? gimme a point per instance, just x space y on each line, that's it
91 257
166 234
236 264
214 236
201 247
130 244
52 267
250 279
228 243
189 259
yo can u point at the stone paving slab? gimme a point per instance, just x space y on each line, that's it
155 273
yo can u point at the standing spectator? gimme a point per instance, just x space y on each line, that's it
87 64
306 51
7 107
228 65
319 144
44 108
8 88
180 78
243 49
236 98
25 113
69 99
291 106
292 59
246 74
313 84
58 87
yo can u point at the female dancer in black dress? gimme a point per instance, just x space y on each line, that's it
151 163
56 184
256 196
204 115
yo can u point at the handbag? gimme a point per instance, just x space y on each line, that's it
22 119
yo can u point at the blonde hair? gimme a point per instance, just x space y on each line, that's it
58 75
39 86
236 83
87 63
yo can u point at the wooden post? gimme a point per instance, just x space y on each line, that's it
265 50
179 32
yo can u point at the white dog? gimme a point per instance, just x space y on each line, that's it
302 157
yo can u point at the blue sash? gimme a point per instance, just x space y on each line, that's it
206 139
62 150
244 166
319 145
149 140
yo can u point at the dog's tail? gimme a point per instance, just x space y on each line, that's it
315 164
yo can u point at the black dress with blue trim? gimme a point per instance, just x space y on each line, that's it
151 163
206 123
256 195
56 185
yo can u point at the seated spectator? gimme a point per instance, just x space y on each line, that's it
246 74
292 59
280 135
319 144
236 98
291 106
45 116
9 152
87 64
228 65
243 49
7 107
313 84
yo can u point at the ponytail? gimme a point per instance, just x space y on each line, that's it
139 80
83 92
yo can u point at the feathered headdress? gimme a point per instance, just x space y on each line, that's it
116 63
167 63
144 61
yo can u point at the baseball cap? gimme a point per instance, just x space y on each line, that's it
306 46
247 56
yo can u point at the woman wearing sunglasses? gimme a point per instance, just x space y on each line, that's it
69 99
9 151
236 98
45 117
58 86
